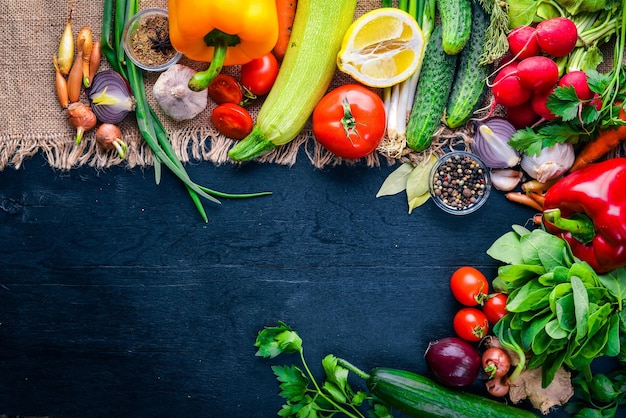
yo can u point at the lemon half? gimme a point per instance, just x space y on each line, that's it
381 48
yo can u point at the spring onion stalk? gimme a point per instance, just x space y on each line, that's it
398 99
148 122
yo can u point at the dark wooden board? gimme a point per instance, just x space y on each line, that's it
117 300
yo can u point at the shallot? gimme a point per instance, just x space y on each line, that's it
109 136
81 118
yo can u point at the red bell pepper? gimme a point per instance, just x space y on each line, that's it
588 209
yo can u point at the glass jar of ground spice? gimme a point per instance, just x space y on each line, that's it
146 40
460 183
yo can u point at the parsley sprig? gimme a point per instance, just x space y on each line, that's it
577 120
304 396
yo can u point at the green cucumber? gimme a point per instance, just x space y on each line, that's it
470 87
456 20
435 82
418 396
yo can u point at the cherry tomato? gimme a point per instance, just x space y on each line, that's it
225 89
495 307
471 324
232 120
259 75
350 121
469 286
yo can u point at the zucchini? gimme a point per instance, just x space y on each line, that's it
418 396
456 20
470 87
307 69
435 82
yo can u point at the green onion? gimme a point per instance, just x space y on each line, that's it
148 122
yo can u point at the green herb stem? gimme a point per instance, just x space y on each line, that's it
322 394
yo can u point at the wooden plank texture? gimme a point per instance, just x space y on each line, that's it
116 300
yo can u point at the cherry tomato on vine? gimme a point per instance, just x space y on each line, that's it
495 307
232 120
470 324
225 89
469 286
350 121
258 75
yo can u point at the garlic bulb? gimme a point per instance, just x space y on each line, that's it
552 162
174 96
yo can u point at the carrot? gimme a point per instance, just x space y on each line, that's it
61 85
524 199
286 10
607 140
537 186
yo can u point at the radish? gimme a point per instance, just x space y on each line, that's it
522 115
557 36
507 88
523 42
538 104
538 73
578 80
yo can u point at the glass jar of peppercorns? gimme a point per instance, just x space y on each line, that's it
460 183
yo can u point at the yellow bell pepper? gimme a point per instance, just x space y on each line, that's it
222 32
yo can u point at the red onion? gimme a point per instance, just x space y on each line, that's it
491 143
453 361
110 97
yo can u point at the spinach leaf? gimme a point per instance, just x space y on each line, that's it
533 295
533 329
615 282
519 274
565 312
581 307
507 249
554 330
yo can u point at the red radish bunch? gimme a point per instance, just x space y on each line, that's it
529 72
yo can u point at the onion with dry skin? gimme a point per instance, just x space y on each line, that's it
109 137
81 118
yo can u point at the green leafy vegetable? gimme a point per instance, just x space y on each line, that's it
304 397
560 312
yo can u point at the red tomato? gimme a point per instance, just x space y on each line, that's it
232 120
259 75
469 286
225 89
350 121
470 324
495 307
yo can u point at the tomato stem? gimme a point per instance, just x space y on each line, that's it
348 121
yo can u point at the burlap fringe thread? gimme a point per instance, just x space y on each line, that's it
197 144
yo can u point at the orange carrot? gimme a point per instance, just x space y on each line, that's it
607 140
524 199
286 10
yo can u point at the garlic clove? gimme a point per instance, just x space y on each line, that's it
506 179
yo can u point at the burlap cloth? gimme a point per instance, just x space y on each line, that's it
32 121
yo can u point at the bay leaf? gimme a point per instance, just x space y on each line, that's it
396 181
417 189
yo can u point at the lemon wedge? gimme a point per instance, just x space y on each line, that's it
381 48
